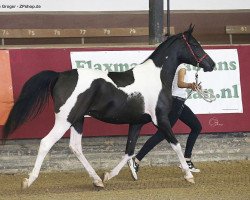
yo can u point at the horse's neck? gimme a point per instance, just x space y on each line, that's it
168 71
166 59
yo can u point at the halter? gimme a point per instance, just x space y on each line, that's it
198 60
205 94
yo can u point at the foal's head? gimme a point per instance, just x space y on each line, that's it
192 53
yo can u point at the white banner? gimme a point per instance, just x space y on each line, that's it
116 5
224 81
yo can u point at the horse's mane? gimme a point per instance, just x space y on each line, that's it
163 49
165 46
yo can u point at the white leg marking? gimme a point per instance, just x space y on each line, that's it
60 127
188 176
76 146
117 169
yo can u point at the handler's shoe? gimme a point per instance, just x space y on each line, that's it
192 167
134 168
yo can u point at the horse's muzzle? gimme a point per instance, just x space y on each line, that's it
209 66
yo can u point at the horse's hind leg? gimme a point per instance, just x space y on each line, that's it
76 146
133 134
60 127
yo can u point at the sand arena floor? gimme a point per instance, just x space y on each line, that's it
217 180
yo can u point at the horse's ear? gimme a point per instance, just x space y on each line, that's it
190 29
165 37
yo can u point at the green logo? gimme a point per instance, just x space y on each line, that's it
111 67
224 93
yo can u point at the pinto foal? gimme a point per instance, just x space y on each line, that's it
134 97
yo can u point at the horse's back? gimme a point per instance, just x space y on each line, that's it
72 83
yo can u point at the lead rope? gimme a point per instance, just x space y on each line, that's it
205 94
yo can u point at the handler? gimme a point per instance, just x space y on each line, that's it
179 111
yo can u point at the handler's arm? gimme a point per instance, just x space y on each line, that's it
181 83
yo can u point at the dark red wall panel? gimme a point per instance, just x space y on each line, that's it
27 62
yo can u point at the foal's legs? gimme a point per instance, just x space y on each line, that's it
133 134
165 127
60 127
76 146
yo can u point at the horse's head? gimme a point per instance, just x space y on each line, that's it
192 52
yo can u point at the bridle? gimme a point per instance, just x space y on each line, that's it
198 60
205 94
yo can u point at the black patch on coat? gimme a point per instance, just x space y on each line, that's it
64 87
106 102
78 126
122 79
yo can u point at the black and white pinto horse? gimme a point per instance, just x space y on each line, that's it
134 97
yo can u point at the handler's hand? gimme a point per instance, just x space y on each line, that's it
195 86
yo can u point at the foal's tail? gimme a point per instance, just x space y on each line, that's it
32 100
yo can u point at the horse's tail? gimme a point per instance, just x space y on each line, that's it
32 100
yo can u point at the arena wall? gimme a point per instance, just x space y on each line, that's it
26 62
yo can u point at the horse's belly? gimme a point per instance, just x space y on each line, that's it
122 118
119 109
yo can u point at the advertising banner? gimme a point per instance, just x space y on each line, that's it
223 82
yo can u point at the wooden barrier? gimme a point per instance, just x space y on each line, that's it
75 33
237 30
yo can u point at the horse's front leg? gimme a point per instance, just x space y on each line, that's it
133 134
164 125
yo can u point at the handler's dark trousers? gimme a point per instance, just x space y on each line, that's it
185 114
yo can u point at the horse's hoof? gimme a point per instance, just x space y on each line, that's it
25 183
106 177
98 184
190 180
